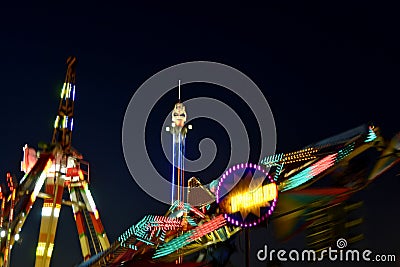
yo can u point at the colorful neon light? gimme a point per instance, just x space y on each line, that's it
247 201
259 197
278 171
344 152
173 168
208 227
62 91
297 156
73 94
371 135
56 121
190 236
310 172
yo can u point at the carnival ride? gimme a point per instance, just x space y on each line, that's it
57 168
246 196
208 216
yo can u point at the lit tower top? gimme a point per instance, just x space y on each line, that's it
178 130
64 122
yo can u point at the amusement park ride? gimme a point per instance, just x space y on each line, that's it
58 167
208 216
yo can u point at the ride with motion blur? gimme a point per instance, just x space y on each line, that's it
56 168
198 228
314 186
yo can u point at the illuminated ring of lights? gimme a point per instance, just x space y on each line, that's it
227 216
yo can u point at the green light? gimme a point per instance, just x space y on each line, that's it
344 152
278 171
271 160
371 136
173 245
298 179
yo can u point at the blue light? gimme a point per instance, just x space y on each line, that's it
173 168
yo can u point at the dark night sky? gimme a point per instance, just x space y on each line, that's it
324 68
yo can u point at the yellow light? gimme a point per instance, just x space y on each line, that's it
96 214
50 250
259 197
40 249
62 91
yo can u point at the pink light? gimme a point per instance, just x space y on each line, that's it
323 164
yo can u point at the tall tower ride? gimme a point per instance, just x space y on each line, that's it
178 130
59 169
66 172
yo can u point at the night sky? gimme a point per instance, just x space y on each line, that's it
324 68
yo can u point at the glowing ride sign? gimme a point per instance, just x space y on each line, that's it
259 197
249 202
